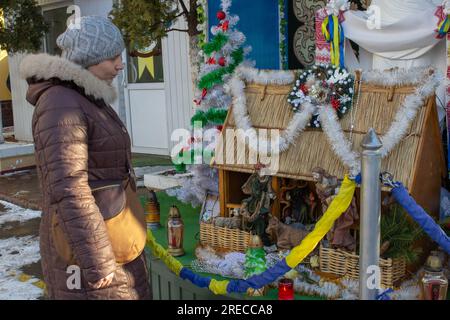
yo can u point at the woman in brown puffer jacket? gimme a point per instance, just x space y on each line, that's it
79 142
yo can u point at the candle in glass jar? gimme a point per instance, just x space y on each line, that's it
434 283
175 230
286 289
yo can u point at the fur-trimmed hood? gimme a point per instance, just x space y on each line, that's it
45 67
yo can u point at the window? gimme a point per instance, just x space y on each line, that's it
147 66
57 20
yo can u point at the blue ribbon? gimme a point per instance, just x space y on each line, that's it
198 280
358 178
341 39
444 27
341 46
384 295
427 223
260 280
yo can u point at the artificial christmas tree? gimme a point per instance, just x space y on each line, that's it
220 56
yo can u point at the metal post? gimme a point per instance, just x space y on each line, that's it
369 248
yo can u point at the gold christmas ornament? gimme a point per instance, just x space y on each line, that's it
255 242
257 292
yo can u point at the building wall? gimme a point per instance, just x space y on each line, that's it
22 110
177 77
97 7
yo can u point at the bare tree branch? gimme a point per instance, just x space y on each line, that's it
179 15
185 10
175 29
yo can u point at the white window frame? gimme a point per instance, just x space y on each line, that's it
47 5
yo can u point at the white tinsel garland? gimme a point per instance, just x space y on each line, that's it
341 146
429 81
225 5
236 87
328 290
230 265
308 282
446 6
335 6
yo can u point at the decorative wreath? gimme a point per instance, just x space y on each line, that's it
322 85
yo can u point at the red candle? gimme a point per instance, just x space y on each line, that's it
285 289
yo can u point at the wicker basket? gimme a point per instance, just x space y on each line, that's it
224 238
344 263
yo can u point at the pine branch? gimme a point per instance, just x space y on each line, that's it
400 233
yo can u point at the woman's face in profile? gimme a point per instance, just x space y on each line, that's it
107 70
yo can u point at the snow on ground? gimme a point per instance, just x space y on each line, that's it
15 253
13 289
16 213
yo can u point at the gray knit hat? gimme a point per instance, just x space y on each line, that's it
97 39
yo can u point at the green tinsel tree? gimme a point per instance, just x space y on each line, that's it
255 262
212 116
22 27
221 56
218 59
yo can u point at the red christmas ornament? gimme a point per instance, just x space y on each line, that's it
221 15
219 127
335 103
304 88
222 61
211 60
225 26
199 101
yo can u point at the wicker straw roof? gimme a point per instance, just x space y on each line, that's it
268 108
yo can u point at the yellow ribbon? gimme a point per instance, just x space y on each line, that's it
444 26
334 43
159 252
218 287
338 206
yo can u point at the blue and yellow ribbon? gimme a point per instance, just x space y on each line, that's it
443 27
337 207
334 34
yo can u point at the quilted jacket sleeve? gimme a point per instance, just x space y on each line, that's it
61 140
